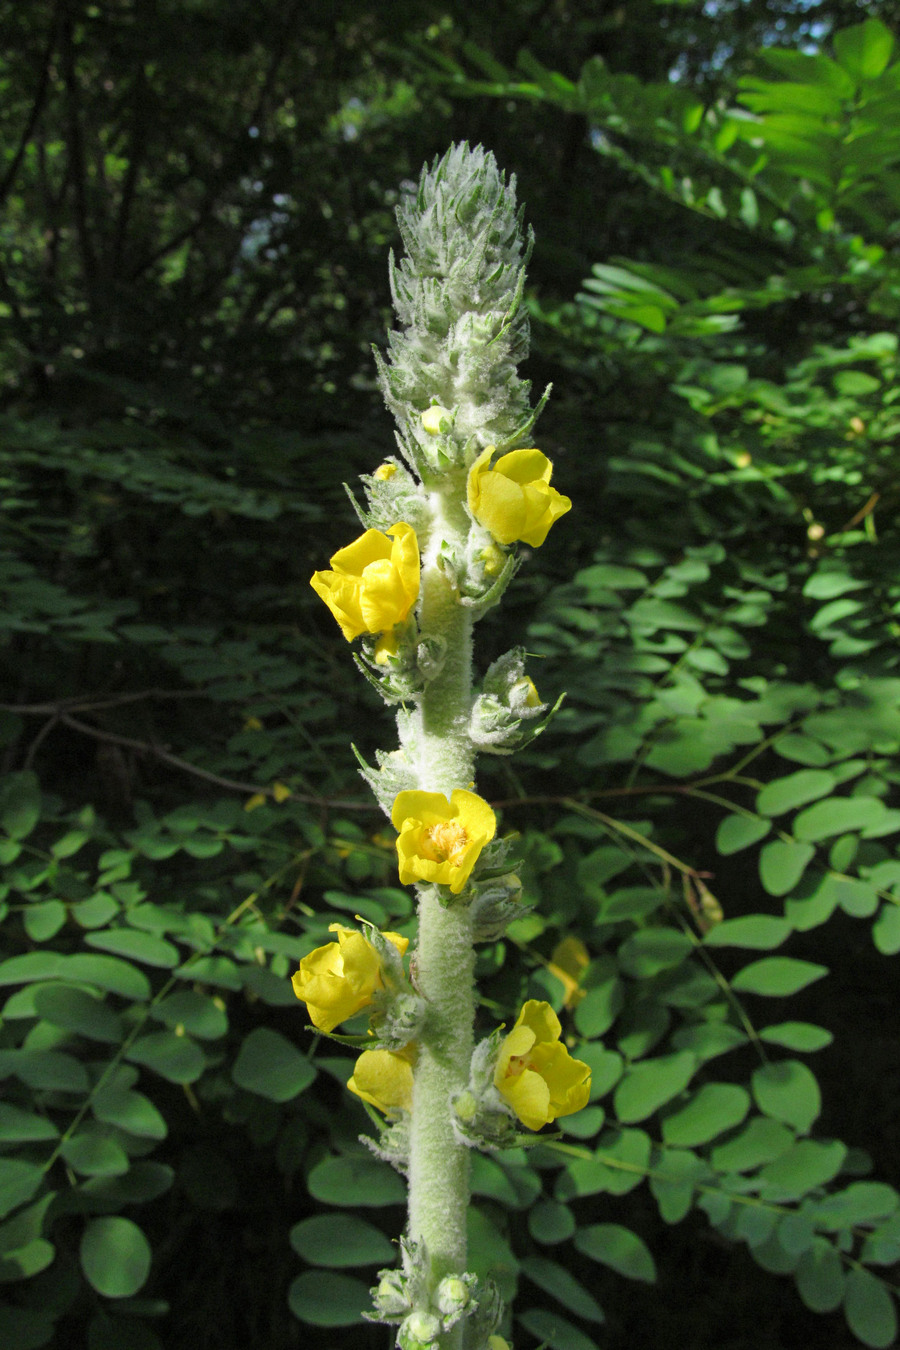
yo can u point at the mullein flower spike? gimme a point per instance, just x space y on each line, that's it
443 520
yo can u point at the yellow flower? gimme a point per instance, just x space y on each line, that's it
440 840
384 472
374 582
340 979
568 963
514 499
535 1072
386 647
384 1079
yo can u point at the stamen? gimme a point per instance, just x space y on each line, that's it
445 842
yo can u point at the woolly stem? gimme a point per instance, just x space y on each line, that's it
444 963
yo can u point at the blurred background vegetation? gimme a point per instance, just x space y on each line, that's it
198 203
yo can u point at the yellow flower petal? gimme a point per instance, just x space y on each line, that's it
338 980
440 840
535 1073
384 1079
514 500
568 962
373 582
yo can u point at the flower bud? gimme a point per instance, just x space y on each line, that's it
454 1298
418 1331
389 1295
436 420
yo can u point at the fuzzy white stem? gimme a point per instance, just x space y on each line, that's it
438 1164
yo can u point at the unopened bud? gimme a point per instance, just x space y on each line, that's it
389 1295
418 1331
433 418
452 1296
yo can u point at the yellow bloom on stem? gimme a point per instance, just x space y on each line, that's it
514 499
535 1073
440 840
568 962
384 1079
340 979
373 582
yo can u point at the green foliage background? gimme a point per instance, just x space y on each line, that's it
197 207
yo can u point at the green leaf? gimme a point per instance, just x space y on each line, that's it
489 1253
79 1011
802 1036
324 1299
177 1058
137 946
50 1069
651 1083
107 972
820 1277
786 794
43 921
838 815
619 1165
94 1155
20 803
650 950
30 966
674 1180
550 1222
869 1309
554 1331
864 52
18 1183
22 1127
601 1005
787 1091
606 1067
130 1111
715 1108
115 1256
341 1240
200 1015
556 1281
886 930
355 1181
269 1065
861 1202
759 931
759 1142
782 863
831 583
619 1248
810 1163
777 976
